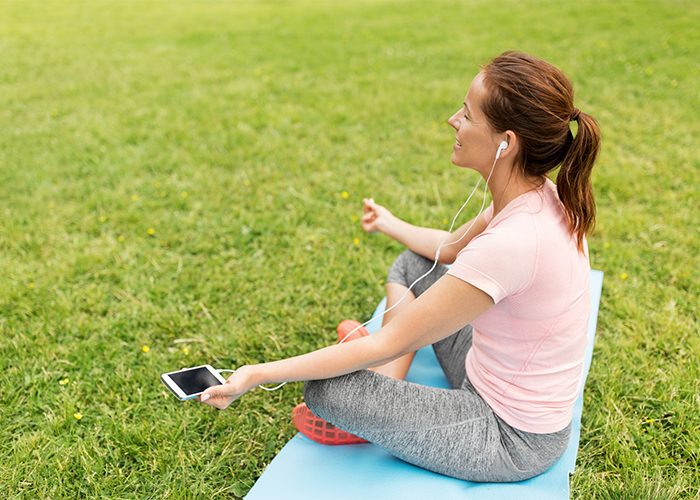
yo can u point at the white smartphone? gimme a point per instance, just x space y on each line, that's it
189 383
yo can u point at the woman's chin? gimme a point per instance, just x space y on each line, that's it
455 161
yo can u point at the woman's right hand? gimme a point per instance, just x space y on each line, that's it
376 217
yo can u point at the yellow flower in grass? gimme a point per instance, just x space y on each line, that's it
64 381
354 218
78 415
151 231
246 182
120 239
356 241
184 194
344 194
103 219
145 348
623 276
135 197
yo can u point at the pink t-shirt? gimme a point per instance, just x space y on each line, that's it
528 350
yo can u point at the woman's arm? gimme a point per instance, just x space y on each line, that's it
422 240
444 308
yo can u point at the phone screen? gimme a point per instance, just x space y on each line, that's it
194 381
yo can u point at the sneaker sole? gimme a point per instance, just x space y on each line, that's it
320 431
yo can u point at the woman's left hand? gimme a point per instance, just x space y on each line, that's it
220 396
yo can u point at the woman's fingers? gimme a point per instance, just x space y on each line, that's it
368 222
220 396
220 402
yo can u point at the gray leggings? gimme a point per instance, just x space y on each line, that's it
448 431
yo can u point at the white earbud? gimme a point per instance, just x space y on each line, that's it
502 146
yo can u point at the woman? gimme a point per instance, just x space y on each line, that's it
507 321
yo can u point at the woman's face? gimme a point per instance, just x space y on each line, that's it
476 143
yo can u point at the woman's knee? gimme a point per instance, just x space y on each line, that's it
316 394
325 397
336 399
406 265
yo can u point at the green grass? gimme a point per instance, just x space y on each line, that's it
264 114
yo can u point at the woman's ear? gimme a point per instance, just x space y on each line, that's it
512 142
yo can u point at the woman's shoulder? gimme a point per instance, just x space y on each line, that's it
539 204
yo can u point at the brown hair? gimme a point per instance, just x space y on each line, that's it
535 100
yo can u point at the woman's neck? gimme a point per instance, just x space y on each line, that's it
508 185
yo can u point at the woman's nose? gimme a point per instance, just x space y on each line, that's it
454 121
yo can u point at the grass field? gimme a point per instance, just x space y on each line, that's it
180 184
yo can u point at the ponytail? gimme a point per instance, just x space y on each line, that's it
535 100
574 178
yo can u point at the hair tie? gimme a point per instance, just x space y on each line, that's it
574 115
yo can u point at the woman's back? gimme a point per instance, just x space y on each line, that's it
528 349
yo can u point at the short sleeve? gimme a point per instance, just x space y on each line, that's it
501 260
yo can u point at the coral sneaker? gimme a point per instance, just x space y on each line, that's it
348 326
320 431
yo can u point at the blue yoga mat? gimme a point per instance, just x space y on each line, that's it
306 470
